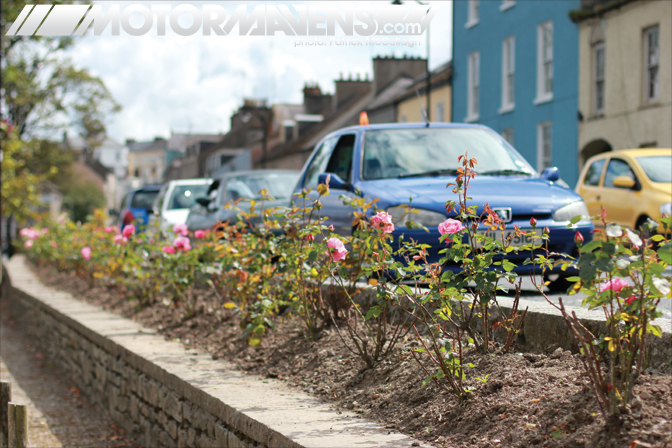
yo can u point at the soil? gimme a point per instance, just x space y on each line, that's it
525 399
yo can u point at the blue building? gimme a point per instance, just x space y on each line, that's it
516 70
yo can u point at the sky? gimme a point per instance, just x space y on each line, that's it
194 83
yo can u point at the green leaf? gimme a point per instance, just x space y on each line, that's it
575 219
665 252
590 246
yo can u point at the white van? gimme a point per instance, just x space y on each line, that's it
175 199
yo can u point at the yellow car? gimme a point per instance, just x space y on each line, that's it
631 184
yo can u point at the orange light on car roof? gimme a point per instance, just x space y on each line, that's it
363 119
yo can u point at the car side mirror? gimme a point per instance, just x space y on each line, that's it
551 174
624 182
203 201
334 181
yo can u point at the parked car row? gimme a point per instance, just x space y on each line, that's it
398 162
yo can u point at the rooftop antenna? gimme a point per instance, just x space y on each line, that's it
424 111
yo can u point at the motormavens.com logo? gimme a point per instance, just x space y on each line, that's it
214 20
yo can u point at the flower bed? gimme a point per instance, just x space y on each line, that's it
256 279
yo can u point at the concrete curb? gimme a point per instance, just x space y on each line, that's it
166 396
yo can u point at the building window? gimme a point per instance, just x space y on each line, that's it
544 146
544 62
652 55
507 134
508 72
472 13
598 57
472 89
506 4
440 112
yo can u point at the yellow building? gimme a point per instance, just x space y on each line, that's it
625 83
412 103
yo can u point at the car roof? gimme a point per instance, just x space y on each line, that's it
199 181
147 188
638 152
256 173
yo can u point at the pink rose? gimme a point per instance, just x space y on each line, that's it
128 231
54 244
168 249
28 244
24 232
120 239
310 237
331 227
631 299
45 231
109 229
336 249
615 285
86 253
181 229
383 221
140 240
450 226
182 243
199 234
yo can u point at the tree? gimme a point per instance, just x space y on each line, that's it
43 91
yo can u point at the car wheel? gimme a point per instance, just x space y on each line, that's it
558 282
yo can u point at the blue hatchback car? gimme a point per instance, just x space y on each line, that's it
398 161
137 206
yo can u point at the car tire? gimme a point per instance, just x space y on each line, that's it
558 284
640 226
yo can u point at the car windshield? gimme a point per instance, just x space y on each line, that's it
394 153
184 196
657 168
278 185
144 199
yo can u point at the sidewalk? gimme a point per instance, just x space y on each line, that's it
58 414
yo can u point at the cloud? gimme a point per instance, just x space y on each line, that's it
195 83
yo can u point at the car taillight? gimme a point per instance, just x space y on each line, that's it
128 218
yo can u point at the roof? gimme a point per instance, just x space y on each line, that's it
153 145
597 9
638 152
389 93
179 142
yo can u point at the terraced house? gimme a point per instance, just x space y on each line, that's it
515 69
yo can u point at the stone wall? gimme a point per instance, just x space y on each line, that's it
151 412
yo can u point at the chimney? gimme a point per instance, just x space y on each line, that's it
349 89
314 101
386 70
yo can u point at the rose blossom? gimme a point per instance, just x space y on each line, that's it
28 244
182 243
450 226
128 231
168 249
54 244
631 299
615 285
310 237
181 229
199 234
120 239
383 220
336 249
578 238
109 229
86 253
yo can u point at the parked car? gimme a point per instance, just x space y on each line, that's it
631 184
241 186
398 161
175 199
136 206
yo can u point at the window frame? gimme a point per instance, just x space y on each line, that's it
508 74
544 95
648 66
473 85
473 13
597 79
599 179
541 159
327 151
507 4
603 181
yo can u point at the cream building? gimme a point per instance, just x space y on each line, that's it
411 105
625 83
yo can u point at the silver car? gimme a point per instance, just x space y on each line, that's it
241 186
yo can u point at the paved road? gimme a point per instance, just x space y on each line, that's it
529 292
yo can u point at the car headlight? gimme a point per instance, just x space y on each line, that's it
666 209
426 218
569 211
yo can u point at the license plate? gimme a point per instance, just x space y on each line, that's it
510 235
